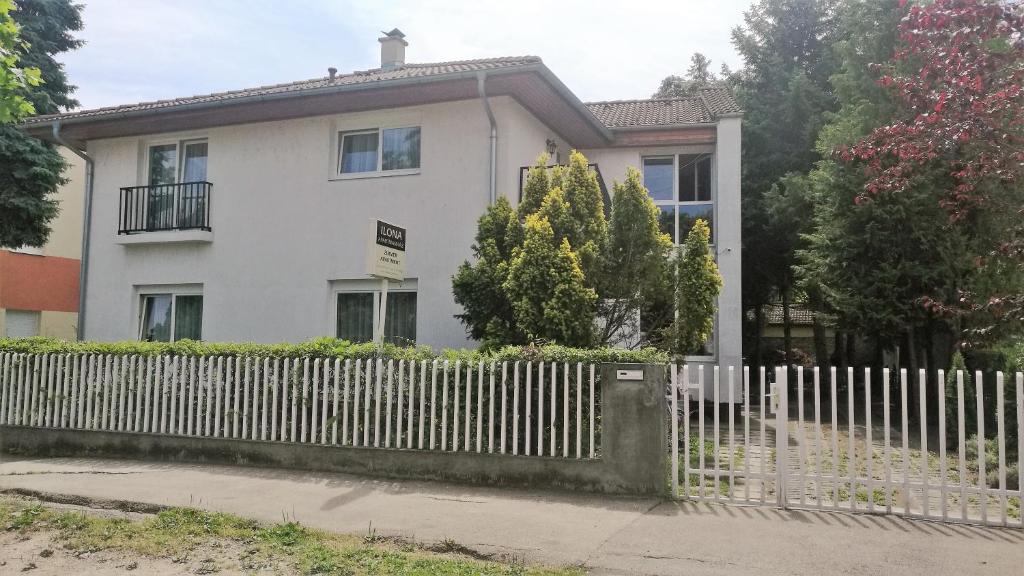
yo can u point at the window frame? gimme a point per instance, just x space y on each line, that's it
675 203
174 293
339 138
359 287
179 164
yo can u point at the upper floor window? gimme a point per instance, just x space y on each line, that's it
165 167
681 186
379 150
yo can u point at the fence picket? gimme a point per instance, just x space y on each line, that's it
433 402
922 386
700 432
565 410
1001 439
490 413
529 407
540 409
982 481
444 406
851 418
335 400
409 434
886 449
732 435
591 411
801 437
554 408
943 472
686 430
673 407
961 443
356 397
869 448
344 403
376 402
311 404
716 396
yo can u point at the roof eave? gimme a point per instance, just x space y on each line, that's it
43 129
576 103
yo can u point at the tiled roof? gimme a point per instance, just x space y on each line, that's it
358 77
798 314
700 109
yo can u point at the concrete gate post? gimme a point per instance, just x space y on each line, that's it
634 428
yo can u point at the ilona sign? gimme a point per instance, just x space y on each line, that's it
385 255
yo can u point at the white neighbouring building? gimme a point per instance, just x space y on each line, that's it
242 216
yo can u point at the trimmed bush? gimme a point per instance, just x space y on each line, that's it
332 348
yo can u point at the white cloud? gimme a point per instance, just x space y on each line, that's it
144 50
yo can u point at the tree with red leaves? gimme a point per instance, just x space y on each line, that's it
958 75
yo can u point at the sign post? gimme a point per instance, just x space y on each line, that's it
385 259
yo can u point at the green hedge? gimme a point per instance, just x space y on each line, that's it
331 348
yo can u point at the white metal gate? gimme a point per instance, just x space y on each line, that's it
817 440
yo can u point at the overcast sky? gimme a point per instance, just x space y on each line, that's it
141 50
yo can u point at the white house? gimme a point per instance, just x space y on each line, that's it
242 216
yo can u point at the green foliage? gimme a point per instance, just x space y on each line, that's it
588 265
786 96
330 348
589 233
539 181
479 287
31 170
969 396
547 288
698 284
698 75
15 77
637 271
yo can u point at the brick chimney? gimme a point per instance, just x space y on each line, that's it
392 49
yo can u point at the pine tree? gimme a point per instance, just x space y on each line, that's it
31 170
636 263
479 287
698 284
586 205
546 287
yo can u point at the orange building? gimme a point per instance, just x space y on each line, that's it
39 286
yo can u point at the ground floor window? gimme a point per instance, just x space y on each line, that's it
357 315
169 317
21 323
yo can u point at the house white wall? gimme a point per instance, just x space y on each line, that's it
284 231
287 233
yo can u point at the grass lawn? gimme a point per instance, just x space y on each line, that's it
44 539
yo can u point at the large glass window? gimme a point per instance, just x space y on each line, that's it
170 317
682 187
383 150
658 177
357 314
164 171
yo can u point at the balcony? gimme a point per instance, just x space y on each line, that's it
165 213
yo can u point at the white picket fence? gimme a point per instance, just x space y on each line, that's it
772 449
519 408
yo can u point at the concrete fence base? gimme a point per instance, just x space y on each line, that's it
633 449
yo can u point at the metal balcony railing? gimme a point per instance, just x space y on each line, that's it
184 206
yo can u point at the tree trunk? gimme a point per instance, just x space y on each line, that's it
840 348
820 346
787 332
758 334
913 380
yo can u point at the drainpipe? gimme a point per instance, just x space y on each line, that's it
481 80
83 269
